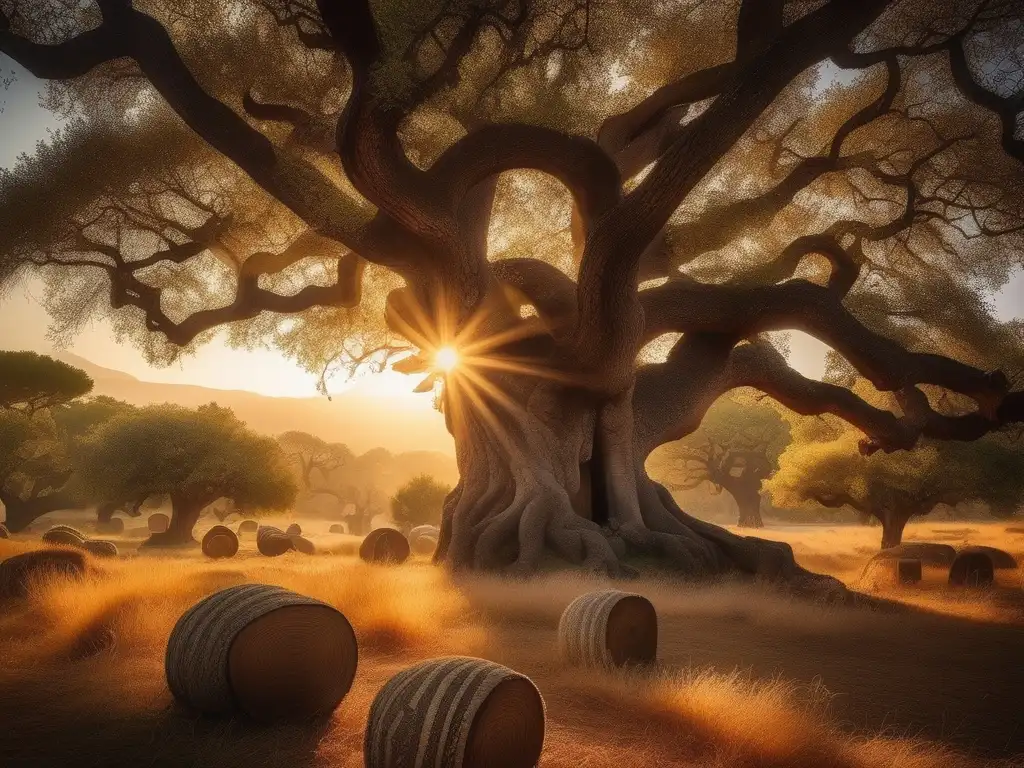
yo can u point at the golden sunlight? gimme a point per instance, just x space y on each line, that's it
446 358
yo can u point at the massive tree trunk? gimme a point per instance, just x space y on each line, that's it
21 513
553 475
893 523
748 501
184 516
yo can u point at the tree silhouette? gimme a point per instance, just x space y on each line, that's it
735 449
35 444
312 455
194 456
30 381
550 186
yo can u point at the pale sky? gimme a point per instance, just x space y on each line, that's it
23 322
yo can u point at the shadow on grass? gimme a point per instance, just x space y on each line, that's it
891 667
154 732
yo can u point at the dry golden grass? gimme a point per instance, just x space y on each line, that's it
748 676
843 552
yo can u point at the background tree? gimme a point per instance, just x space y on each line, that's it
824 466
33 469
403 174
895 487
35 456
30 382
314 458
194 456
736 448
75 421
361 485
419 502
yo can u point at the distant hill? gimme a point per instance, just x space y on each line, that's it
359 420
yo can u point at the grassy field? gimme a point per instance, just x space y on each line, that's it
747 676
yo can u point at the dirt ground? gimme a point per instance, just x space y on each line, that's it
928 677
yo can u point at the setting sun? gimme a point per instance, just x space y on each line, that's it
446 358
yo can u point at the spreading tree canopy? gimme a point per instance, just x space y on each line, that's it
75 422
36 445
605 206
735 449
823 466
30 381
194 456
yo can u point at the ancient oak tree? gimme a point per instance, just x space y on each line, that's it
552 189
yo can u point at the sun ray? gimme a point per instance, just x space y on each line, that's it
487 343
495 392
517 365
466 399
469 328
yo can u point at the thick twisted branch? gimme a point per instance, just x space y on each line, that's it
587 172
1006 108
127 289
759 22
250 300
548 289
609 269
126 32
619 131
690 307
670 399
721 225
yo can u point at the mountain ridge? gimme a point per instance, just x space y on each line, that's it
360 421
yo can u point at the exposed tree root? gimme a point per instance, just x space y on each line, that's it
519 502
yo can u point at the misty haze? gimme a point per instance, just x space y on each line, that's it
512 383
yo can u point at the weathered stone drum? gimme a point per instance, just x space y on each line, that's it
220 541
455 712
928 552
972 569
1001 559
158 522
262 650
610 629
272 541
64 535
303 545
423 539
384 545
100 548
908 571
